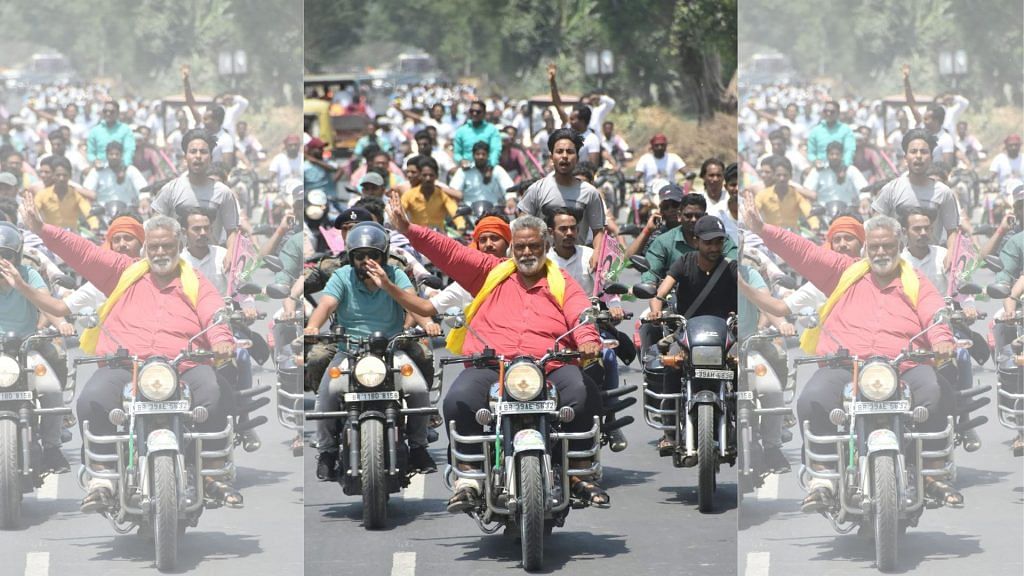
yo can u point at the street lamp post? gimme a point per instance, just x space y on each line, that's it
600 64
233 63
953 66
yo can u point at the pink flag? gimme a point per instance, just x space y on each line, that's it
609 262
960 264
333 238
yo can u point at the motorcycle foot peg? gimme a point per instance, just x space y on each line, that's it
566 414
250 423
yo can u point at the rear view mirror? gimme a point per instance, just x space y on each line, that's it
432 281
273 263
616 288
278 291
249 289
464 211
993 263
640 263
970 289
64 281
786 282
998 290
645 290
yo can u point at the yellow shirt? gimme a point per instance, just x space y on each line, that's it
785 212
430 212
64 212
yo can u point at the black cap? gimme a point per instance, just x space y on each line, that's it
670 192
352 215
709 227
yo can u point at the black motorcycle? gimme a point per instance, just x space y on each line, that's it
1009 359
24 374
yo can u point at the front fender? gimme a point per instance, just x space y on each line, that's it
528 440
162 440
883 440
705 397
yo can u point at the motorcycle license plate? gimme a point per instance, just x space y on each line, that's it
526 407
370 396
745 395
158 407
881 407
9 396
713 374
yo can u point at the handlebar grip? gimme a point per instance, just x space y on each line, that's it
627 316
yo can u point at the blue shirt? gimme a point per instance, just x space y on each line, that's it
17 314
747 311
362 312
467 135
821 136
101 135
315 177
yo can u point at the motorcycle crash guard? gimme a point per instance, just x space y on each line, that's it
528 440
48 382
161 440
883 440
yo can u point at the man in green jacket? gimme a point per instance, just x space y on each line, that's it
671 246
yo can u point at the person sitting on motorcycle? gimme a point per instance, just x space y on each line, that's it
162 281
573 259
19 285
876 305
428 205
363 308
689 275
549 302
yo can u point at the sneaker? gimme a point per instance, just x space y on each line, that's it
326 464
775 460
420 461
971 440
617 440
251 441
54 461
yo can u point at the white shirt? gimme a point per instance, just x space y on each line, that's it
665 167
805 296
452 295
931 266
1005 169
578 266
591 145
212 267
284 168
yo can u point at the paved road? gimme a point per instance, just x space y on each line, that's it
984 537
263 537
653 526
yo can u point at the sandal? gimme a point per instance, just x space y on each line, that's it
943 492
297 446
818 500
223 492
1018 446
464 500
666 446
590 492
97 501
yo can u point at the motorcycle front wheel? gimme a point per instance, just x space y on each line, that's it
373 474
10 476
706 457
886 508
165 512
531 511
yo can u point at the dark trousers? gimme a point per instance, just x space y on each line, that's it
103 392
824 391
470 392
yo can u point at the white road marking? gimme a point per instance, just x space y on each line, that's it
415 489
403 564
48 491
770 489
758 564
37 564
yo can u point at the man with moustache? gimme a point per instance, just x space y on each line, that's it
527 281
161 281
876 305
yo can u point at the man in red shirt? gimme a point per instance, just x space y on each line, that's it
153 316
519 316
874 316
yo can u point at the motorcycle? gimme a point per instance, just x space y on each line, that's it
759 375
879 462
525 489
24 375
704 412
158 453
1009 359
373 455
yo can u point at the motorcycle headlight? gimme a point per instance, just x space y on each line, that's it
706 355
157 381
524 380
370 371
9 371
877 381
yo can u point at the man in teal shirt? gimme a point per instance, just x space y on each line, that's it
830 129
107 131
671 245
476 130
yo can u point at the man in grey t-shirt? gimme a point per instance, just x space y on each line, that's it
196 188
561 188
917 189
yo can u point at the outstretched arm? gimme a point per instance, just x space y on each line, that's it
556 99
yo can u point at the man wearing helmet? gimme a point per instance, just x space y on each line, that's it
363 308
19 315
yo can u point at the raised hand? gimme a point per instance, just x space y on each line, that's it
30 217
750 216
396 214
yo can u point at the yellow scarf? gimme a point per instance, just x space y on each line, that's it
911 285
131 275
497 275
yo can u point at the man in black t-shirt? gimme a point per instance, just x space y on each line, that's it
691 273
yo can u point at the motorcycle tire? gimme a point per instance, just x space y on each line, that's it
165 512
886 516
531 511
10 476
373 474
706 457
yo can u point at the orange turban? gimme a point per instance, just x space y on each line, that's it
125 224
491 224
847 224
